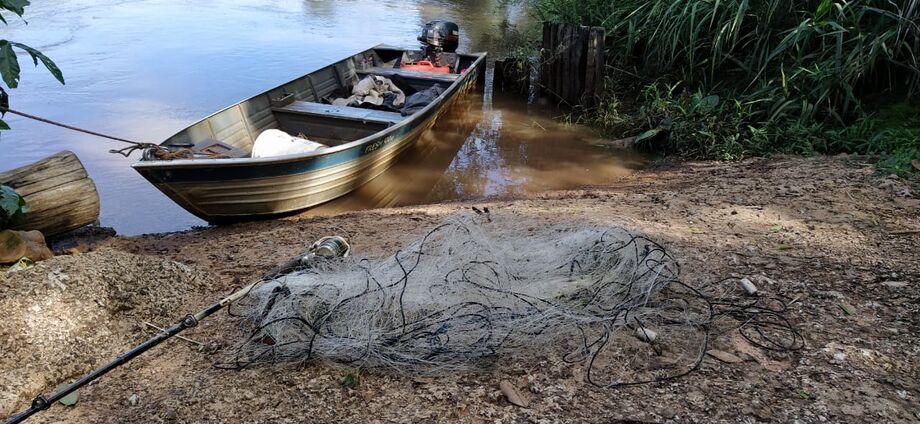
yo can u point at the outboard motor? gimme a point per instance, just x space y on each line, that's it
442 36
437 37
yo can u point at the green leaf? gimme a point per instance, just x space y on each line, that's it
23 263
707 103
70 399
823 8
9 64
37 55
847 308
648 134
4 125
9 200
13 207
16 6
352 379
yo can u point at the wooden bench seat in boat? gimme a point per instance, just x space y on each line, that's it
405 73
341 112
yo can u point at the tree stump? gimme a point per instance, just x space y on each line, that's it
59 192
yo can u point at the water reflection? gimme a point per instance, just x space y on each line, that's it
490 146
145 69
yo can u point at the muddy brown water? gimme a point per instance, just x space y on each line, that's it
146 69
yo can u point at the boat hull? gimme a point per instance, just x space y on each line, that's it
228 190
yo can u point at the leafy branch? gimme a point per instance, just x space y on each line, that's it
9 62
13 208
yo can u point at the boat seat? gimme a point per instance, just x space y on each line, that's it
341 112
405 73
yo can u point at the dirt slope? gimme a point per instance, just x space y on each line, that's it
827 233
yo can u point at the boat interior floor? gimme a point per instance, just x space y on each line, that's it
335 125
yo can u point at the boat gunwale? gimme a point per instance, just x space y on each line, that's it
150 165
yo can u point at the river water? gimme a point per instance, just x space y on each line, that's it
146 69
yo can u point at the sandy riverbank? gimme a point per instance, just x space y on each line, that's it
826 232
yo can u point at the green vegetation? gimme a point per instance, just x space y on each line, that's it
731 78
9 63
352 379
13 208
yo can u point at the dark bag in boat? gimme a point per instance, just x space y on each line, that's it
418 101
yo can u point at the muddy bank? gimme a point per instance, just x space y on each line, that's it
825 233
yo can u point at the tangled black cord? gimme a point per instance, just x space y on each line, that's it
603 307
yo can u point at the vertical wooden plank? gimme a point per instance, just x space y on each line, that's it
544 58
550 74
599 65
578 55
564 60
590 60
558 54
583 62
563 55
572 76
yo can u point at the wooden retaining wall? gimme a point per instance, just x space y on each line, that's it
572 63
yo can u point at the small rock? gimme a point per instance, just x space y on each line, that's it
724 356
749 288
895 284
132 400
830 294
76 249
15 245
646 334
511 393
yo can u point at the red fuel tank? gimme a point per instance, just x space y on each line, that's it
426 66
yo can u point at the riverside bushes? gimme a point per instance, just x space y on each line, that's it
729 78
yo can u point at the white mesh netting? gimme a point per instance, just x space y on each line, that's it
481 288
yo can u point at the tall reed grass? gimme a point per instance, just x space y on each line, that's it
726 78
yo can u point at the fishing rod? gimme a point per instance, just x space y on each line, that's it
326 248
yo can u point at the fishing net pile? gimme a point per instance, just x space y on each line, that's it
482 288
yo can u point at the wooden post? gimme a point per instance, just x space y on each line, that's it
590 60
572 63
598 35
59 192
559 49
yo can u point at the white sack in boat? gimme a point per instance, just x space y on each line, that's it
279 143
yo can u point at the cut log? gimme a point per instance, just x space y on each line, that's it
59 192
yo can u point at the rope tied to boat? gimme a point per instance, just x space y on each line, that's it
158 151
